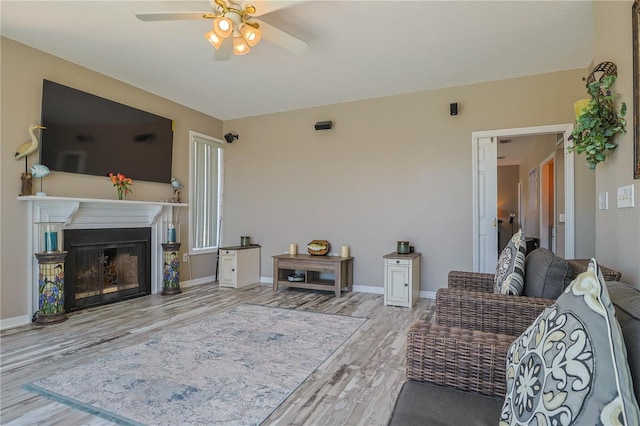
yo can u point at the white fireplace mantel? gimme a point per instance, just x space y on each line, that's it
89 213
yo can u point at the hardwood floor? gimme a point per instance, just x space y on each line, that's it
357 385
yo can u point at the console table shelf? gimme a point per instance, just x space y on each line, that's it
312 266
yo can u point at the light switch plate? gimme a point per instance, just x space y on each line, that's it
561 218
603 201
625 196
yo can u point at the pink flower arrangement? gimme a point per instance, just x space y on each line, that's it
122 184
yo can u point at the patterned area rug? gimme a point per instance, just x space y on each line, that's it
231 368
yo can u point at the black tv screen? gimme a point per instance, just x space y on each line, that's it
91 135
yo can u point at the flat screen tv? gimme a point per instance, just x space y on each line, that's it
91 135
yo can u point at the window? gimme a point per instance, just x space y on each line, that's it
205 196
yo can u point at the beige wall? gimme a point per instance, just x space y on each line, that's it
618 230
395 168
392 168
22 72
508 177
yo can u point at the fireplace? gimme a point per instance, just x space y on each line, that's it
106 265
100 214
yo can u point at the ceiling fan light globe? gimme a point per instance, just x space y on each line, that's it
250 34
214 39
223 26
240 46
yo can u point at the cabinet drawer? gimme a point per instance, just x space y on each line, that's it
398 261
228 253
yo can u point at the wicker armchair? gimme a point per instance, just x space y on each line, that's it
468 360
472 292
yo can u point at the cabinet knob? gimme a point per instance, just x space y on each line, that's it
227 252
406 284
233 270
397 261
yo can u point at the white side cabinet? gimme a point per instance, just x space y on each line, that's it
401 279
239 266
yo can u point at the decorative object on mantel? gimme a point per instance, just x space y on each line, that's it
23 151
176 190
40 171
51 273
122 184
600 121
318 247
26 188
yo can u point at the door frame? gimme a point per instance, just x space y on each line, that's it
569 181
544 204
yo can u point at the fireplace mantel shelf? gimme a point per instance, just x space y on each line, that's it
65 209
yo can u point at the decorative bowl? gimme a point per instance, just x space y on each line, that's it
318 247
295 277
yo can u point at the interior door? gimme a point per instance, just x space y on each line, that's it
487 203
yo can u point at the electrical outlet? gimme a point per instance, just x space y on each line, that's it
185 257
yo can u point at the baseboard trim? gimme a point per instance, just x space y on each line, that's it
14 322
363 289
197 281
368 289
428 295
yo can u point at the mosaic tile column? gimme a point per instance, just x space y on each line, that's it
50 288
171 269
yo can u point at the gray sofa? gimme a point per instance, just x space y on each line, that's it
458 402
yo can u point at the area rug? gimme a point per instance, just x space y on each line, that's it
234 367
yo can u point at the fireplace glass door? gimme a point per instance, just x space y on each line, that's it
105 267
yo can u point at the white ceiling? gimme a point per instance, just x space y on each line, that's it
357 49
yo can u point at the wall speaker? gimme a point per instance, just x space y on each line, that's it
229 137
453 108
324 125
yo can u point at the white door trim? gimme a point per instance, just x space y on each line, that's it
544 207
569 207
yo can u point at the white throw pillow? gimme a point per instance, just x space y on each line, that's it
570 366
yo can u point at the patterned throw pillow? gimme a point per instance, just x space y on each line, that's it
570 366
509 277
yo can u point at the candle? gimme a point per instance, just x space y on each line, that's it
293 248
344 251
50 241
171 233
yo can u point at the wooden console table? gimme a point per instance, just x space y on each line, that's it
312 266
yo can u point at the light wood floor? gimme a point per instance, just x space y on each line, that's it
357 385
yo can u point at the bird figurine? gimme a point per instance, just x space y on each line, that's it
40 171
29 146
175 183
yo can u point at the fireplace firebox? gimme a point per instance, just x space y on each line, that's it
106 266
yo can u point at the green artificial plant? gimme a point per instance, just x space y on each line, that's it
599 123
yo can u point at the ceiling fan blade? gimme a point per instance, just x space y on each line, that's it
171 16
224 53
282 39
264 7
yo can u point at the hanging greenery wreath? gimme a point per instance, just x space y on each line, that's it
600 121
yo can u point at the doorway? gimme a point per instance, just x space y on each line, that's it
485 214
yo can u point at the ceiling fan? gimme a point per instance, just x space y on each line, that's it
236 19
